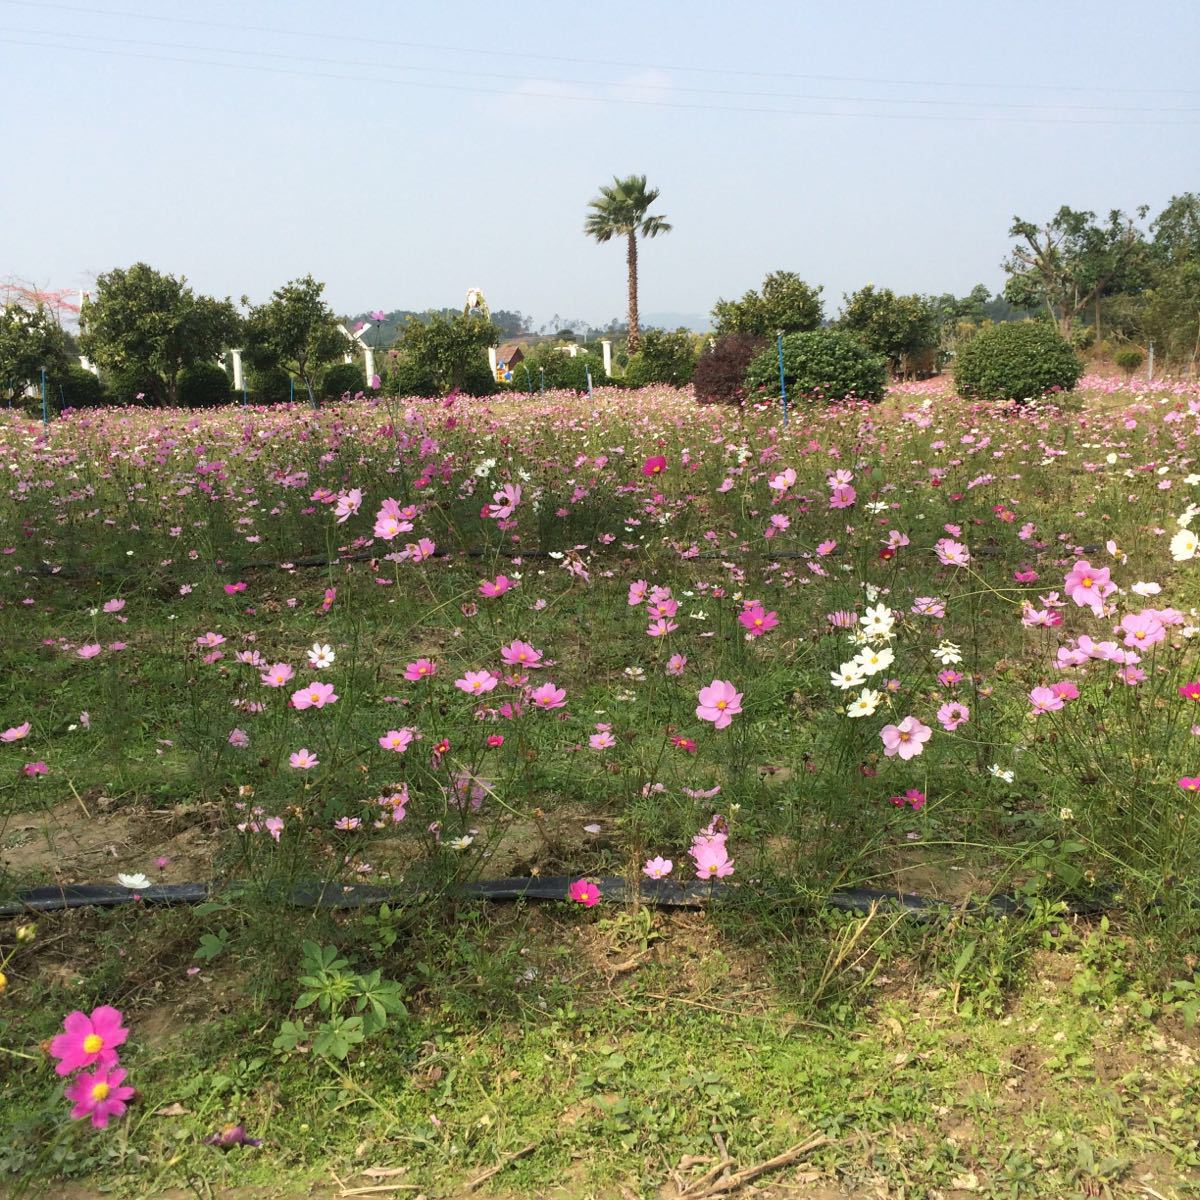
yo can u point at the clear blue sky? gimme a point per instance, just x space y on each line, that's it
441 146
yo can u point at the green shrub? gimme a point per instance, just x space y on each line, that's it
342 378
1016 360
477 378
203 385
124 387
824 364
407 377
661 358
269 385
561 370
75 388
1129 358
720 374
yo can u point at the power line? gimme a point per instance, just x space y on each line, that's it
663 87
278 31
579 97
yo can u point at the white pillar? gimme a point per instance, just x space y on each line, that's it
369 356
238 380
87 364
606 346
492 360
573 350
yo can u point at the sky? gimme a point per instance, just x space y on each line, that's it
405 152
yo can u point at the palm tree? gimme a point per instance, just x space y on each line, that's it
622 210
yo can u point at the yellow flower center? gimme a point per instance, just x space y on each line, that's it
1087 581
100 1091
722 704
904 737
93 1044
1141 633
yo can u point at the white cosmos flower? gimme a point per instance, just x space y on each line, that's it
864 704
135 882
999 772
321 656
947 653
1188 515
877 622
1184 545
460 843
848 675
1145 589
878 506
871 661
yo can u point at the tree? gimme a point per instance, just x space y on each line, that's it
451 350
144 323
623 210
1176 230
296 330
898 327
1069 263
30 338
786 304
662 358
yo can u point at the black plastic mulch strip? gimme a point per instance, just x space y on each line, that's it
657 893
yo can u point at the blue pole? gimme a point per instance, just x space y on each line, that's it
782 382
542 372
291 390
45 415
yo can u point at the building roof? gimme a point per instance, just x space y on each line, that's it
505 351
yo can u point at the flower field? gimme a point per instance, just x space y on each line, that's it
926 646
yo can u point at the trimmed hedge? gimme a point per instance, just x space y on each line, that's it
1017 360
823 364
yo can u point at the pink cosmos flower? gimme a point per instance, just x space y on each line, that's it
784 480
720 702
303 760
951 716
35 768
210 640
475 683
274 826
1066 689
1089 586
239 739
676 665
603 739
91 650
929 606
89 1041
661 627
951 554
826 548
842 496
232 589
657 868
656 464
397 740
315 695
637 592
348 503
420 550
1190 783
113 606
1044 699
506 501
495 587
98 1094
16 733
906 739
423 668
757 621
1142 629
548 696
521 654
711 857
278 675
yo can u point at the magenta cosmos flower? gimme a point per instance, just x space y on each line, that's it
89 1041
906 739
719 703
491 588
315 695
757 621
582 892
656 464
99 1095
